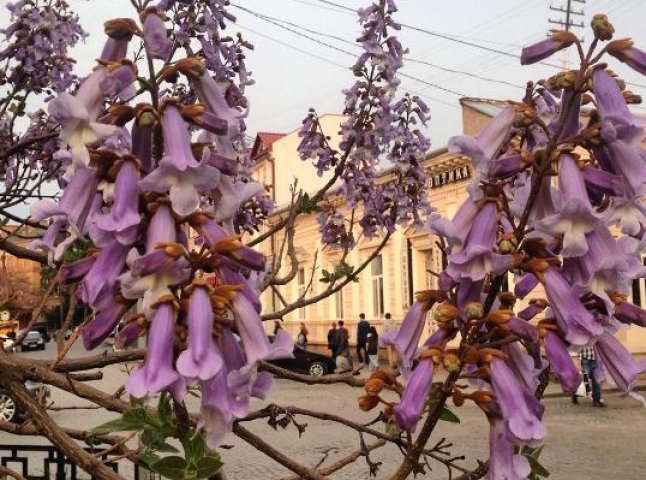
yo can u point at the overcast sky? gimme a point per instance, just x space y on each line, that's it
290 78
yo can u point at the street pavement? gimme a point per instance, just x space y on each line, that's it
584 443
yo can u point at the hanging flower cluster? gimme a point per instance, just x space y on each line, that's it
39 37
380 136
136 185
557 201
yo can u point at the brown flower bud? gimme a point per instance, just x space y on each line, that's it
446 313
374 386
387 376
507 300
601 26
367 403
121 28
475 310
620 49
451 362
499 317
472 355
631 98
563 80
458 397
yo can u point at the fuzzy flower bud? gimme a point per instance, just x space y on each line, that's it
601 26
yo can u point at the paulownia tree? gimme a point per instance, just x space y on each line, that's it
150 147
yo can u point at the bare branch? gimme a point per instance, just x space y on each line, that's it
21 252
348 379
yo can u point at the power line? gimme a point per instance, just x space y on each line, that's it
334 47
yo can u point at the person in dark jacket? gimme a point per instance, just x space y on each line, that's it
363 328
373 349
342 338
332 340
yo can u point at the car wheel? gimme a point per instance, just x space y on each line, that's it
317 369
8 408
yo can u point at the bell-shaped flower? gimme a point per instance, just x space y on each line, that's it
558 40
523 367
456 230
504 464
157 372
525 285
103 324
75 271
178 172
624 51
123 219
561 362
255 341
228 276
162 265
410 409
629 313
202 358
101 278
128 334
119 31
216 417
407 338
477 257
578 324
230 196
156 38
576 216
522 422
617 362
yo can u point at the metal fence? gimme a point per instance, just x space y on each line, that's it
46 462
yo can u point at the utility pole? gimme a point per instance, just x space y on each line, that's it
567 23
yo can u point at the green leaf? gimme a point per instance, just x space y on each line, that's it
148 458
537 468
194 447
448 416
208 466
536 452
165 409
122 424
172 467
307 205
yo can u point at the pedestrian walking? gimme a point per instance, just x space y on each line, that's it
390 327
301 339
363 328
589 367
332 340
373 349
343 338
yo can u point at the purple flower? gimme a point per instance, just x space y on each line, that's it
407 339
73 272
534 308
629 313
503 463
561 362
522 329
576 216
101 278
525 285
558 40
216 417
456 230
157 372
617 361
229 276
624 51
155 36
255 341
523 367
202 359
178 172
231 196
409 410
523 424
103 323
577 323
123 219
477 258
128 335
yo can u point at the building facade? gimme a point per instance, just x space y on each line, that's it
404 266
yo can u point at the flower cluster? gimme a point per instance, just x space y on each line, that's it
39 37
137 186
557 201
380 140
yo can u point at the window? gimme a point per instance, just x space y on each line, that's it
638 291
377 270
338 305
301 291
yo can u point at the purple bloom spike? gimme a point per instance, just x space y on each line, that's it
157 373
216 418
523 424
561 362
101 278
202 358
408 412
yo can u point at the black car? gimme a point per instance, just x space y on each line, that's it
306 361
9 409
44 331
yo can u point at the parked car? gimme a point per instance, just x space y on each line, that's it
44 331
306 361
9 409
33 341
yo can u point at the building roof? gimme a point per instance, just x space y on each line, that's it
264 142
486 106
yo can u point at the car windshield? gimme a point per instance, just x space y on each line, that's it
33 335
